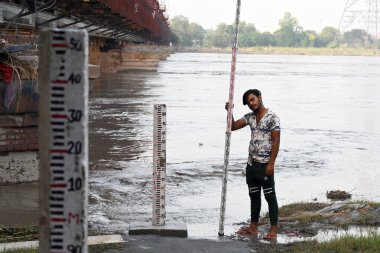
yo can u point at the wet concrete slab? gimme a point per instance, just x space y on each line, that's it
156 244
162 244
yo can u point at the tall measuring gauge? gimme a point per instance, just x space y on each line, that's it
159 165
63 140
229 123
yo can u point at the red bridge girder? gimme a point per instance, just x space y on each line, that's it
145 15
134 20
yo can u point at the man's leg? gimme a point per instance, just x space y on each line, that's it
270 196
255 196
254 189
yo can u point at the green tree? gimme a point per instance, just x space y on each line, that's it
208 38
223 36
268 39
246 28
197 33
311 37
326 36
356 38
187 33
245 34
174 38
303 39
180 26
290 33
248 35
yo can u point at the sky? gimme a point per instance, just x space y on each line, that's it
264 14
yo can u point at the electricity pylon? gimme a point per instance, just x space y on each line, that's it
361 14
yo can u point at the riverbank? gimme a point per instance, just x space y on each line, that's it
300 222
343 51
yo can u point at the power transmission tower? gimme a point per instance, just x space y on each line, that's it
361 14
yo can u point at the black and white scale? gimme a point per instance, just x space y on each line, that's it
159 166
159 225
63 135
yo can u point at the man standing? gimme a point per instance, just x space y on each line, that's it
263 150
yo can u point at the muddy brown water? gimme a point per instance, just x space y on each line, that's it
19 204
329 110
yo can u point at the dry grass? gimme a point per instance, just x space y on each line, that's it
22 69
18 234
346 244
302 207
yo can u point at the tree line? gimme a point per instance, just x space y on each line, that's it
289 34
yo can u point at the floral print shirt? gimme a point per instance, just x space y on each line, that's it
261 140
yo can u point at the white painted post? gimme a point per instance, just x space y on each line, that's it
63 140
159 165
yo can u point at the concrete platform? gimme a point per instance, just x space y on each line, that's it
162 244
145 228
92 240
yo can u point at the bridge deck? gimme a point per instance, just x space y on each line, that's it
135 20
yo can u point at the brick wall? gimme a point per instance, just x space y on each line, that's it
18 139
18 133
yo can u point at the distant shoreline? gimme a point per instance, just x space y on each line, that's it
340 51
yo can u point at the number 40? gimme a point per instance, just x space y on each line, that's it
75 78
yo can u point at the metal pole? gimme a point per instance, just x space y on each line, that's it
229 123
63 140
338 35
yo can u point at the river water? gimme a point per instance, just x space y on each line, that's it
329 108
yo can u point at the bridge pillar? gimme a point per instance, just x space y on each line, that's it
110 61
133 58
141 57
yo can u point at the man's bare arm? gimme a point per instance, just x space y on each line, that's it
275 135
240 123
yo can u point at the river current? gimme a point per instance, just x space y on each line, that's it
329 111
329 108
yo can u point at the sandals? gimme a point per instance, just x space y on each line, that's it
269 236
246 231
